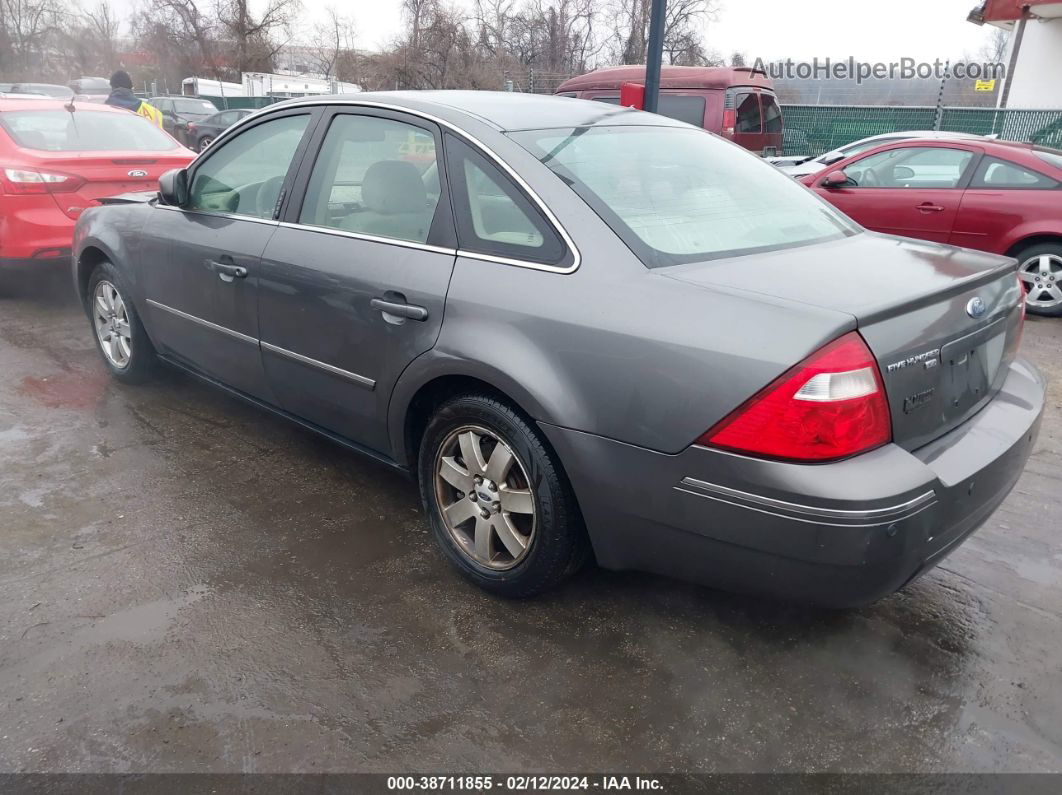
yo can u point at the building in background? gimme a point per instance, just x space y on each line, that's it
1034 51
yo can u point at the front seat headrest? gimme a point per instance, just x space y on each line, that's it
393 186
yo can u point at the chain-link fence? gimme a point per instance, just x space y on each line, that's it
814 129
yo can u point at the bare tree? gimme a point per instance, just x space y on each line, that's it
684 25
255 38
26 27
331 50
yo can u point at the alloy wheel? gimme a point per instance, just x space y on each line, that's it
203 144
485 498
111 320
1041 276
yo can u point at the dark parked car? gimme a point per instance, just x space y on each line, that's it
583 327
90 89
44 89
995 196
179 112
201 134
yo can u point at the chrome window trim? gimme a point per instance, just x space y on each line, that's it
558 227
771 505
232 216
393 241
360 380
205 323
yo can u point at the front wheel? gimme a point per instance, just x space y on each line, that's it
120 337
1041 275
499 504
204 142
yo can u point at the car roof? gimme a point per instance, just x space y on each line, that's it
505 111
51 103
670 77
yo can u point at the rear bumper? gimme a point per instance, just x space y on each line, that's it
839 534
31 265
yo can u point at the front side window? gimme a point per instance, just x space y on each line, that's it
376 177
679 195
245 174
84 131
995 173
493 216
910 167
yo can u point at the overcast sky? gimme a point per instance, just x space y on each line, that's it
866 29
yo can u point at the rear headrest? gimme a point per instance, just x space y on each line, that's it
393 186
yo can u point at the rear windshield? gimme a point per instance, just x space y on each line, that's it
680 195
84 131
681 107
200 106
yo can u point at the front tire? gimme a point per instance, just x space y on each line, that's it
1040 271
120 337
499 504
205 142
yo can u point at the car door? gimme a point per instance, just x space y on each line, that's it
1001 197
201 271
353 284
914 191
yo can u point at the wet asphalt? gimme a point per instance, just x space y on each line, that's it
190 584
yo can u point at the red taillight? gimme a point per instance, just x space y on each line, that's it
832 405
26 181
729 121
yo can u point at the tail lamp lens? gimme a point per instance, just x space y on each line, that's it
830 406
24 181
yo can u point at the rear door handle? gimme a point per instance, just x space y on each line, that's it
228 272
930 208
399 309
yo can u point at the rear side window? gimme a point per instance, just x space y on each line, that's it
84 131
995 173
687 108
772 114
375 177
493 216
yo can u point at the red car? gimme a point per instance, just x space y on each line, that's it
994 196
56 159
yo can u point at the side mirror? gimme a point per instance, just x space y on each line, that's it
830 158
835 179
173 187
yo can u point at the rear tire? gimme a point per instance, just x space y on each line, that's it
120 338
500 506
1040 270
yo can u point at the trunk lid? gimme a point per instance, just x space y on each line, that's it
106 174
942 322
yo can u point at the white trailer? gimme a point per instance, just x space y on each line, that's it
202 87
261 84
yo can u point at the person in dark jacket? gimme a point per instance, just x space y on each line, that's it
122 96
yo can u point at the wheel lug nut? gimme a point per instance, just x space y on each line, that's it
473 496
485 513
493 487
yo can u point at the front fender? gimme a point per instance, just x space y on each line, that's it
108 232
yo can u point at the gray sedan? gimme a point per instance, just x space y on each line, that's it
585 330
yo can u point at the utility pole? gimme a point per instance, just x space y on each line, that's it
655 54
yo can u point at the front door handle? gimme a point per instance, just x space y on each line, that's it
929 207
399 309
227 272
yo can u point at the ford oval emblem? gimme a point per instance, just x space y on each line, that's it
136 172
976 307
